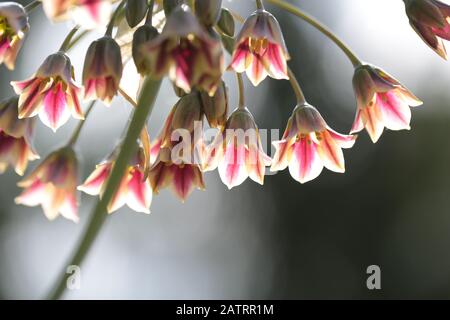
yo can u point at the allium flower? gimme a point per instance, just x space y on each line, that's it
382 102
89 14
309 144
260 49
16 147
134 189
179 172
238 152
51 93
431 20
53 186
13 27
102 70
185 51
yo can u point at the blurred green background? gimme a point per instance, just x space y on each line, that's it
280 241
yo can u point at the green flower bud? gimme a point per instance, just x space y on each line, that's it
135 11
226 22
142 35
208 11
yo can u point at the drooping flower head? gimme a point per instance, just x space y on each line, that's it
175 163
431 20
102 70
184 50
16 145
309 144
13 27
51 93
216 107
260 49
134 190
237 151
53 186
89 14
382 102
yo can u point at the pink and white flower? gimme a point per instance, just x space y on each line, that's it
89 14
260 49
51 93
431 21
53 186
237 151
308 145
102 70
13 28
382 102
184 50
16 146
134 190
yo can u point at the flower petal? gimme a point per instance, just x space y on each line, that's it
305 164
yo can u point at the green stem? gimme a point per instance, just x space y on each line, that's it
259 4
113 19
240 82
149 18
296 87
31 6
77 39
319 26
66 43
76 133
146 102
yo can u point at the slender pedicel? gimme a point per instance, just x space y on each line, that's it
76 133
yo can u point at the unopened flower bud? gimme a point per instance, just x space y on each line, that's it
135 11
226 22
142 35
208 11
102 70
216 107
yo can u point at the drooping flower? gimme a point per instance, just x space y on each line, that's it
102 70
89 14
53 186
237 151
184 50
216 107
16 146
13 27
382 102
174 153
431 21
134 190
309 144
51 93
260 50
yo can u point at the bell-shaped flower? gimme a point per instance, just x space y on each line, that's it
216 107
237 151
134 190
16 146
13 27
174 154
260 50
51 93
53 185
89 14
102 70
184 50
431 20
309 144
382 102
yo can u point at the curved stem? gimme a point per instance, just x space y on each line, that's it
146 102
296 87
66 43
73 139
149 18
319 26
77 39
31 6
240 82
113 19
259 4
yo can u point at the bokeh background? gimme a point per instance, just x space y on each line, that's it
280 241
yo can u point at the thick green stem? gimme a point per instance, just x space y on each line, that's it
129 146
319 26
259 4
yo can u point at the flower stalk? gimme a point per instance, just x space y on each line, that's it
67 41
110 27
76 133
240 82
129 146
296 87
32 5
319 26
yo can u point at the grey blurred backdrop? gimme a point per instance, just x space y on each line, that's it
280 241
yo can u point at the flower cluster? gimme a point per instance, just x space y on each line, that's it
187 42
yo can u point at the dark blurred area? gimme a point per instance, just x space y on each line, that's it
280 241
